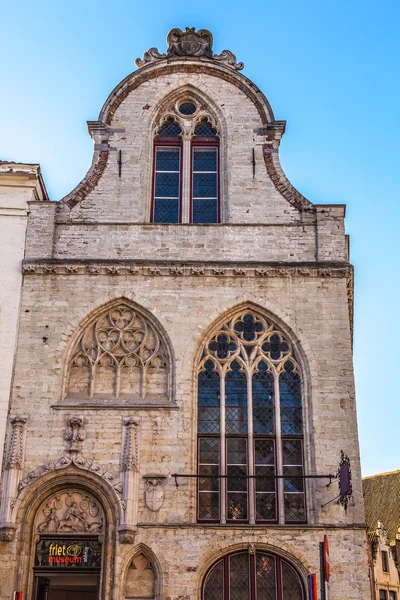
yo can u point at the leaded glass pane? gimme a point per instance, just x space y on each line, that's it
239 581
290 398
167 185
292 588
263 400
170 129
205 159
166 211
236 450
208 485
292 452
204 185
266 507
209 506
264 458
168 159
209 399
294 497
214 586
204 129
236 399
205 211
265 576
294 507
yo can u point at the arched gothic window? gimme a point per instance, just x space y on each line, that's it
250 426
247 576
120 356
186 166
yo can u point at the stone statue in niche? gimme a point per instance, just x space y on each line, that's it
70 512
154 494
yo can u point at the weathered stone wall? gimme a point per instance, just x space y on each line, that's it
97 246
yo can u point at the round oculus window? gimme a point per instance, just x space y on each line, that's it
187 108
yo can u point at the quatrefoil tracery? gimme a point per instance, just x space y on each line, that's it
250 340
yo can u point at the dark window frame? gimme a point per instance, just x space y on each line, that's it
385 561
164 143
278 562
205 143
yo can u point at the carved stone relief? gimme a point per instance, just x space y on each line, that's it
15 450
130 447
120 355
197 44
75 434
65 461
154 493
70 512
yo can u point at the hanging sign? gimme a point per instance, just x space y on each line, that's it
68 553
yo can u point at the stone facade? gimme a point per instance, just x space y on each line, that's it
98 273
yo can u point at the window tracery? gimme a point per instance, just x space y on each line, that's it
248 576
186 165
250 425
120 355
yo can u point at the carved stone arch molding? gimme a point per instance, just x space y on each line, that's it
119 355
141 575
65 503
189 92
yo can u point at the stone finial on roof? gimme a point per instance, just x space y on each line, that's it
197 44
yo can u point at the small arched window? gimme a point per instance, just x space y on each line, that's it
247 576
186 167
250 426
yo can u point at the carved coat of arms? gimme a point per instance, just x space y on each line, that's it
190 42
154 494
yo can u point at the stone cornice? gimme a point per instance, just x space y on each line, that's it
187 269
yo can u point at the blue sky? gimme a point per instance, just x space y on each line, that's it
331 69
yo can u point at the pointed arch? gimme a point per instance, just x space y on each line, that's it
257 570
119 354
251 420
152 583
189 92
188 175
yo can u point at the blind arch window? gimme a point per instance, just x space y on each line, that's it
250 425
186 167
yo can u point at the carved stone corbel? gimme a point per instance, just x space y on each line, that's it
12 474
129 480
75 435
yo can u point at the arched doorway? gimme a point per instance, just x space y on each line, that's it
68 546
248 576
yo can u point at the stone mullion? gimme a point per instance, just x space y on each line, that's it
92 380
117 378
223 447
279 458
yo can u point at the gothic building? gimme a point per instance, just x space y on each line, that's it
176 341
